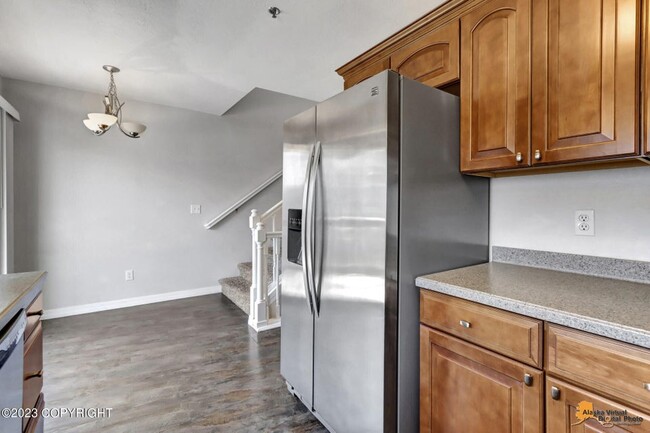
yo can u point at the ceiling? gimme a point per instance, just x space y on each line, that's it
202 55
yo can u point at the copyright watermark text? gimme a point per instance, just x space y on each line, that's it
57 412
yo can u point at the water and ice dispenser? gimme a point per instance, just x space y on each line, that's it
294 251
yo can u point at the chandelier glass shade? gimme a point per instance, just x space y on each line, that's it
99 123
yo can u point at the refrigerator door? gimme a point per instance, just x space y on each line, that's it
297 332
351 246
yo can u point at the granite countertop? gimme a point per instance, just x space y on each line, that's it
14 286
604 306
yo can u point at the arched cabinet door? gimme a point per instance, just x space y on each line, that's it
432 59
495 86
585 65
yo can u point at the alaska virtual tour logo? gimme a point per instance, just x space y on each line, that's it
607 418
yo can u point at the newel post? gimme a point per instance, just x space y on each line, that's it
252 224
261 307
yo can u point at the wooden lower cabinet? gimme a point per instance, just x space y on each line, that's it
464 388
563 401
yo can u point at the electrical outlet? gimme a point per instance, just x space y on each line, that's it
195 209
128 275
584 222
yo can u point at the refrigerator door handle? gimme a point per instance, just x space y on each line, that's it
312 224
305 231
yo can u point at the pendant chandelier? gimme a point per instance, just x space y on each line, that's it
99 123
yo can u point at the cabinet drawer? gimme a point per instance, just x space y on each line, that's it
34 425
563 400
33 364
33 372
34 314
32 388
433 59
611 367
510 334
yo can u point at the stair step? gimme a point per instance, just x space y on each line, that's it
246 271
237 289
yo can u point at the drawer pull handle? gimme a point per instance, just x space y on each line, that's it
519 157
538 155
465 324
528 379
646 386
555 393
35 313
33 375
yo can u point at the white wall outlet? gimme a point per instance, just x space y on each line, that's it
128 275
195 209
584 222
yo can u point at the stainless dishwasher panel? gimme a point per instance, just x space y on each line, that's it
11 371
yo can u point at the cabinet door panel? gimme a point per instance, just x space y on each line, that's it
561 412
468 389
432 59
584 79
646 81
495 53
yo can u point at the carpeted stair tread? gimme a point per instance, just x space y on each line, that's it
237 289
246 271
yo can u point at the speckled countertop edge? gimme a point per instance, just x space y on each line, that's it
15 286
595 326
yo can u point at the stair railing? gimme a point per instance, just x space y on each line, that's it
242 201
266 283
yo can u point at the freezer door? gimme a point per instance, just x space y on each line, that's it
351 222
297 332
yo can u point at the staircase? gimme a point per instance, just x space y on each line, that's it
257 288
238 289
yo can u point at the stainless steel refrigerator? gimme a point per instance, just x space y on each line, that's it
372 198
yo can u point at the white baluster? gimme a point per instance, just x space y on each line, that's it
252 224
276 271
261 307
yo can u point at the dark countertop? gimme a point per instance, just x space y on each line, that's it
604 306
14 287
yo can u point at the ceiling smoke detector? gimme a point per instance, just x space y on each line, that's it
274 11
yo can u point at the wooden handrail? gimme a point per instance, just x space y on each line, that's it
223 215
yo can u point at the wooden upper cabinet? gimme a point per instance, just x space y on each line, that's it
646 80
584 79
495 85
464 388
365 72
433 59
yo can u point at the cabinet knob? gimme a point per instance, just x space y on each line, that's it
518 157
465 324
528 379
646 386
555 393
538 155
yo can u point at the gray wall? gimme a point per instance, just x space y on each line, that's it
537 212
88 208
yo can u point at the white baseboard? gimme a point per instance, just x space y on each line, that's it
128 302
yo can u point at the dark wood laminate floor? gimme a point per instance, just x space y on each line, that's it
181 366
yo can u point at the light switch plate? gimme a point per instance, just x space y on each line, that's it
195 209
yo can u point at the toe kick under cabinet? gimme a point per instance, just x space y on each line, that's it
482 370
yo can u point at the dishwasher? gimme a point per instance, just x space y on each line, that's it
11 371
